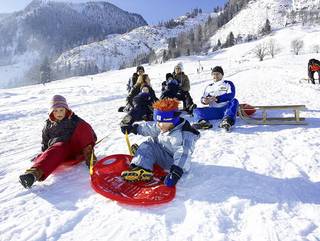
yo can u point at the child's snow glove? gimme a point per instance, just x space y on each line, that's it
173 177
129 128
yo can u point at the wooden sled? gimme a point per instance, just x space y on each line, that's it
265 120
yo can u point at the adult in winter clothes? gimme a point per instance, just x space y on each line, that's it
170 88
220 96
133 80
65 137
313 66
170 144
141 106
184 82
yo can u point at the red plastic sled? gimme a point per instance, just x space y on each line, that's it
107 181
248 109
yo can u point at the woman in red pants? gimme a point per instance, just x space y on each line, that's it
65 137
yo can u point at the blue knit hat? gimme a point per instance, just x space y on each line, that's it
166 110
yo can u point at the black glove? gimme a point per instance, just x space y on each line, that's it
173 177
129 128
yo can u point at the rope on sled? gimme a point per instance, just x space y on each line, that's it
128 143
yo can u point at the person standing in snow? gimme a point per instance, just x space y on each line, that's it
65 137
220 96
170 144
313 66
184 82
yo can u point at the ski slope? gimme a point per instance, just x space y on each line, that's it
255 183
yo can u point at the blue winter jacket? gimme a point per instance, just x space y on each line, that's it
178 142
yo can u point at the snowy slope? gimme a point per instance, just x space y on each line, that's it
47 28
256 183
121 50
251 19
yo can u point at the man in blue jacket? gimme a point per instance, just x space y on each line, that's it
219 95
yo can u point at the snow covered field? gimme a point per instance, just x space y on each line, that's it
256 183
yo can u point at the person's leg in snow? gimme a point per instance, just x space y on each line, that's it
230 114
147 154
79 147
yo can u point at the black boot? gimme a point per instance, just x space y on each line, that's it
226 124
191 108
27 180
202 124
134 147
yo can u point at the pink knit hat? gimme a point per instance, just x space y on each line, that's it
58 101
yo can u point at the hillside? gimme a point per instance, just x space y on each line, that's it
250 20
119 51
255 183
48 28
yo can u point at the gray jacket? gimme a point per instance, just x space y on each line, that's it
178 142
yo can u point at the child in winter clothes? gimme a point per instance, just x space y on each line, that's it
219 95
65 137
170 88
170 144
142 106
142 80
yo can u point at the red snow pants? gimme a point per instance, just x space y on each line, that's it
62 152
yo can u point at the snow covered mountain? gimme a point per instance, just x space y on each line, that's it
119 51
251 19
257 183
47 28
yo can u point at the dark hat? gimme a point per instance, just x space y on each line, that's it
169 75
140 68
217 69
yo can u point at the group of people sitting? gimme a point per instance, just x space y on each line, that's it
219 96
66 137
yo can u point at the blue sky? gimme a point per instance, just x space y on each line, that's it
152 11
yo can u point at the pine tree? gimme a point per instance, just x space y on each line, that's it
45 71
266 28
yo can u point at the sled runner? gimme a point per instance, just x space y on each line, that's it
265 120
106 180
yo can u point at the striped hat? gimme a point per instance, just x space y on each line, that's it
58 101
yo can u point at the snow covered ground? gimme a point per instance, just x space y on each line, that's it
256 183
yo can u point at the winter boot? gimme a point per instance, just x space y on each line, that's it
134 147
31 175
87 152
121 109
191 108
226 124
137 174
202 124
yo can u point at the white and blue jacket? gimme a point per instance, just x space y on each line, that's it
223 90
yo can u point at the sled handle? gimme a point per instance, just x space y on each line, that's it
91 164
128 143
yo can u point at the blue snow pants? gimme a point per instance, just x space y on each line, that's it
216 113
